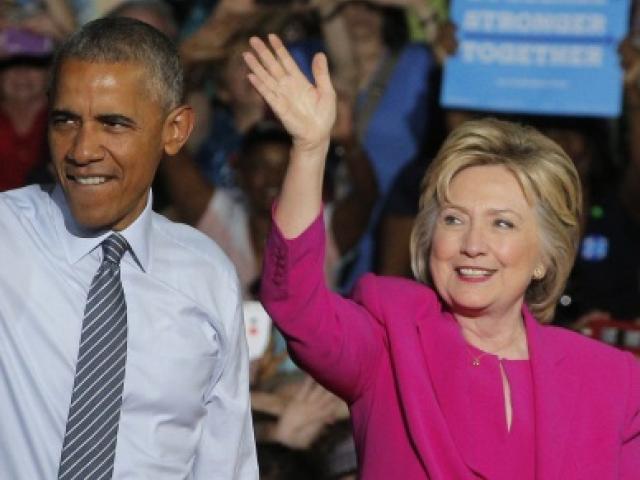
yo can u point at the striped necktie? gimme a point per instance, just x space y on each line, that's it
89 445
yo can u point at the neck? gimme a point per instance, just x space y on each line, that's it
504 336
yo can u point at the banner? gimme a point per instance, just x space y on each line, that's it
537 56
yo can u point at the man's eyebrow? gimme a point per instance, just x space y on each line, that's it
116 118
62 113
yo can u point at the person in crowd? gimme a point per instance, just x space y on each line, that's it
122 347
50 18
238 219
236 109
605 283
23 109
156 13
390 82
456 368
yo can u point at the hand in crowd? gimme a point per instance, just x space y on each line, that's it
629 51
445 43
306 414
307 111
56 21
210 40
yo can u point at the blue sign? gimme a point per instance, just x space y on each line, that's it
537 56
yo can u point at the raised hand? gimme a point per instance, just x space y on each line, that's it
306 415
307 111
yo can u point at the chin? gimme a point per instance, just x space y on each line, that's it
469 308
89 219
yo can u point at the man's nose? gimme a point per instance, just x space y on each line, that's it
86 147
474 242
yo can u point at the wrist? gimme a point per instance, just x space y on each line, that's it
310 151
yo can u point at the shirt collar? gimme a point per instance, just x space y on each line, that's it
79 241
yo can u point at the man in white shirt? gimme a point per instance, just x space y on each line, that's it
122 349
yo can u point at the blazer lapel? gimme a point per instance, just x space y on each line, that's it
556 389
448 363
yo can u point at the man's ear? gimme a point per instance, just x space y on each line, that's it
177 128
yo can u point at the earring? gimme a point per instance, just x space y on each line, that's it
538 273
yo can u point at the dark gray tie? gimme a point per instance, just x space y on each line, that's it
89 445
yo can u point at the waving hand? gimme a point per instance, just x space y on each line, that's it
307 111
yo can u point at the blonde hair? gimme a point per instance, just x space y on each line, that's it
548 179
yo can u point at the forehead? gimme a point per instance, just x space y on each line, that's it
117 83
489 186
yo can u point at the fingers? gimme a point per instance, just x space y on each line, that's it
267 93
285 58
259 71
321 77
305 389
270 63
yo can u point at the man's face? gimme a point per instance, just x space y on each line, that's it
106 138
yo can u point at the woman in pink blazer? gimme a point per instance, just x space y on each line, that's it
453 377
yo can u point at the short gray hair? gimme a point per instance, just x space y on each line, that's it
125 40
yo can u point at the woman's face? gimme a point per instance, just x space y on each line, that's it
362 20
486 244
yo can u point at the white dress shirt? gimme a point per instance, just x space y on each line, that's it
185 410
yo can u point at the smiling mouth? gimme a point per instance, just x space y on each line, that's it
88 180
474 272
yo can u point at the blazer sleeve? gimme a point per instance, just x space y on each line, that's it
630 464
338 341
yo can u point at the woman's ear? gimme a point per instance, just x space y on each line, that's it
177 128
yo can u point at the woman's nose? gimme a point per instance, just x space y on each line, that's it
474 241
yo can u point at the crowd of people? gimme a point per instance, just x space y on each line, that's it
386 59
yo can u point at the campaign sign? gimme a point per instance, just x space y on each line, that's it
537 56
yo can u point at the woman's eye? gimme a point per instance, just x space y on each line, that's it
502 223
451 220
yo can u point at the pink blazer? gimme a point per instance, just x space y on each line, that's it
399 360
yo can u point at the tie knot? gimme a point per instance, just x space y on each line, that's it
113 248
